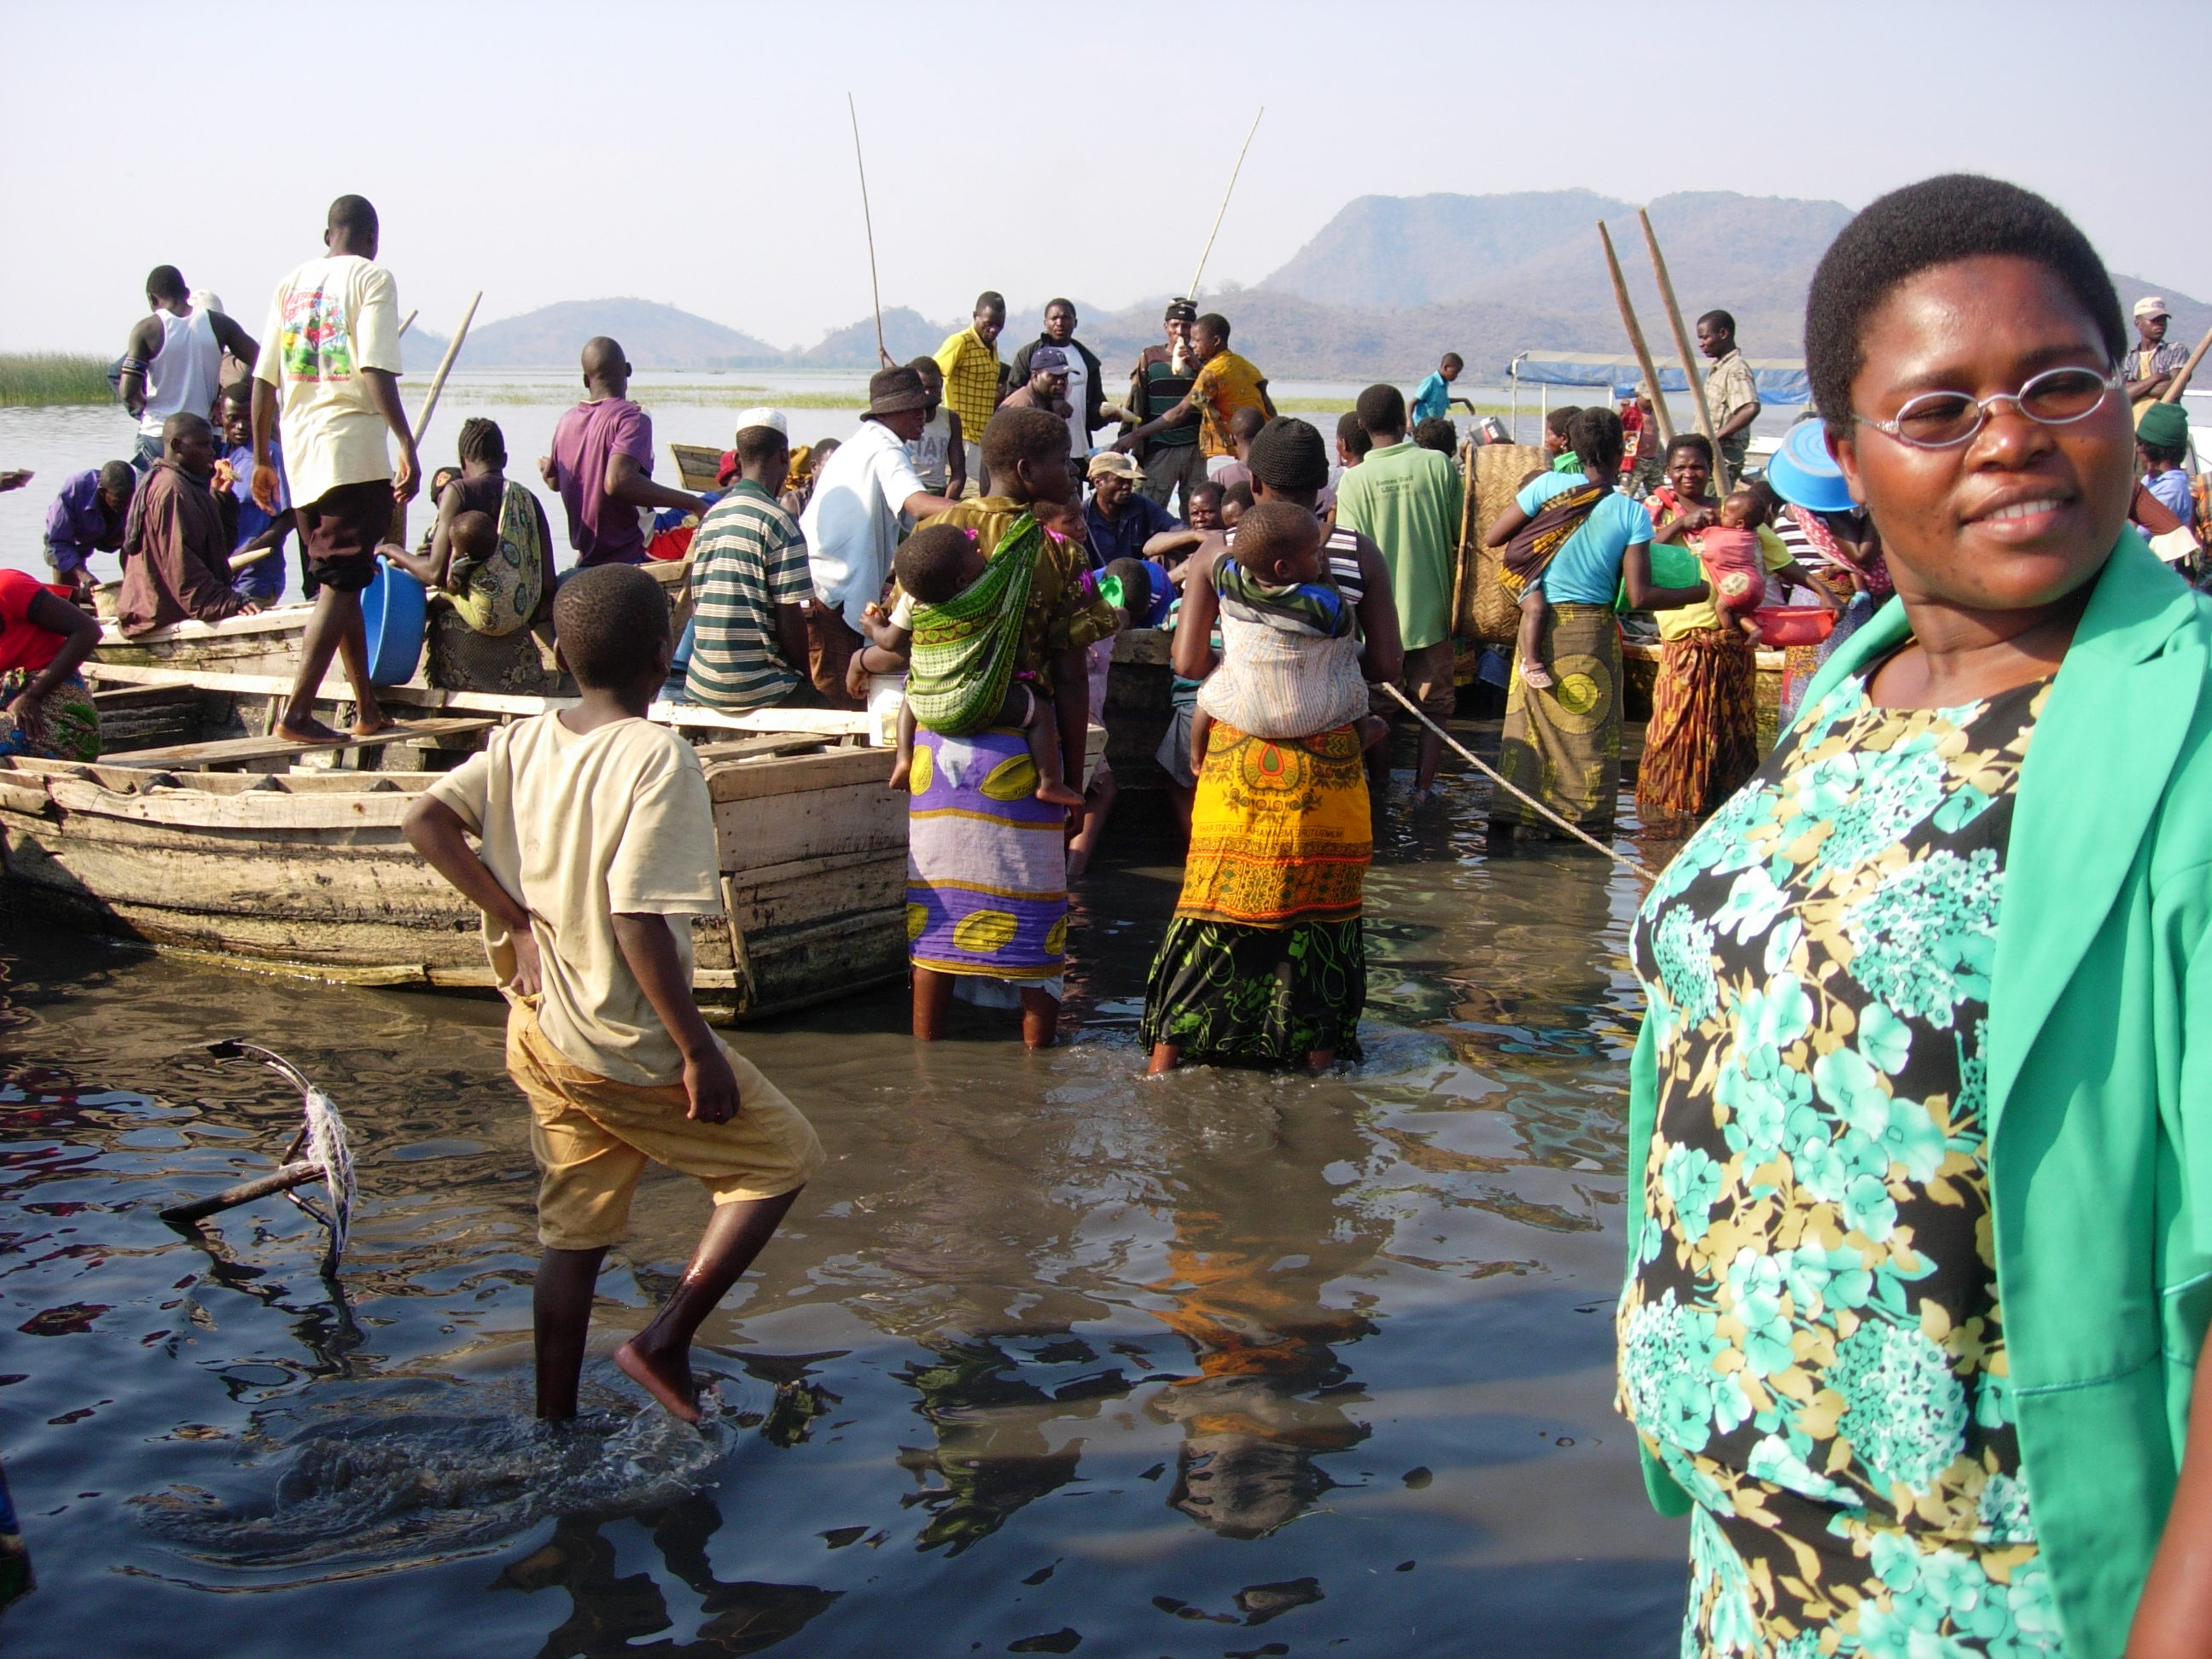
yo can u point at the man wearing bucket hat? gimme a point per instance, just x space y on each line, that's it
748 641
2150 365
853 520
1122 522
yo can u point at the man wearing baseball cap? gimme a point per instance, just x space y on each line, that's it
1164 377
1124 523
852 522
2148 368
749 583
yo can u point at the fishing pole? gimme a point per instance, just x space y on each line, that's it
1225 195
868 223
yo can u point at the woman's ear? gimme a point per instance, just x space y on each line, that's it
1845 451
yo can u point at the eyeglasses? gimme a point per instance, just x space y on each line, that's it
1944 420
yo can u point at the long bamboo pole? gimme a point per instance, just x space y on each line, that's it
1720 479
868 223
407 322
1636 338
1207 252
422 421
2172 393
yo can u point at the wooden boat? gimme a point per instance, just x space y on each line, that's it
304 871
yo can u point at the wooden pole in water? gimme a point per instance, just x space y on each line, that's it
1721 480
277 1181
1636 338
2172 393
868 223
1207 252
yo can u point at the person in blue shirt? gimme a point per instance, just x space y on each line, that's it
258 561
89 516
1433 399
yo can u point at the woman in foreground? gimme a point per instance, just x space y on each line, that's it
1921 1257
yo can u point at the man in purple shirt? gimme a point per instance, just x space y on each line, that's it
86 517
602 465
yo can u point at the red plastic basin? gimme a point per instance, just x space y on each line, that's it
1794 624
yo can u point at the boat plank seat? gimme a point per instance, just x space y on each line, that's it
241 751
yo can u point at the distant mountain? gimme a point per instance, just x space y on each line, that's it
1381 291
653 335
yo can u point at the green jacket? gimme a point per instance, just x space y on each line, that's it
2099 1082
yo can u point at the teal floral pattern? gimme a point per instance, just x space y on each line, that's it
1811 1339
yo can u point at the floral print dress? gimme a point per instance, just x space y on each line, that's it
1811 1340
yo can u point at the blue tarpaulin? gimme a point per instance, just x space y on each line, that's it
1779 379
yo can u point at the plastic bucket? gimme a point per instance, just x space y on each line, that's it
394 609
1794 624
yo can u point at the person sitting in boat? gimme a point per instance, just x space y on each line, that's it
176 548
750 584
45 708
257 562
489 546
87 517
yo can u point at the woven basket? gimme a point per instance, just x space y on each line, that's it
1486 612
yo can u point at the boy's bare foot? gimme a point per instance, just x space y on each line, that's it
667 1378
1537 676
310 730
378 722
1373 730
1054 793
902 771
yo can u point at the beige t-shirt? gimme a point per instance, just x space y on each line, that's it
330 319
580 830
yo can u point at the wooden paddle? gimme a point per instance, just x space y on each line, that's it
1636 338
1720 479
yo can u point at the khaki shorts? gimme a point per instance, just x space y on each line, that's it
1428 680
592 1138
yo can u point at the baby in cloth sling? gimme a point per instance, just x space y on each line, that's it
965 675
1729 553
1290 640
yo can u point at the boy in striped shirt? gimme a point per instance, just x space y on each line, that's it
749 583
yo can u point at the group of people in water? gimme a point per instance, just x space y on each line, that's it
1919 1210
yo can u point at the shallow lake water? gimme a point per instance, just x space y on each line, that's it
1049 1359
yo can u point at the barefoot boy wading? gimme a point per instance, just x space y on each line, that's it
595 848
329 373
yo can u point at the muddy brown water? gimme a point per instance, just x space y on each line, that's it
1049 1359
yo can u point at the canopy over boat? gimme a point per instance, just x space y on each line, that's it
1779 379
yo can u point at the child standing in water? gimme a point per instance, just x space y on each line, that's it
595 848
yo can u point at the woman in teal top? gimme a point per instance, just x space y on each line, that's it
1920 1124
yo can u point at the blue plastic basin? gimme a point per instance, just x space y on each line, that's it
394 609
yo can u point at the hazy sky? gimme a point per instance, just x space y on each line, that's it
700 154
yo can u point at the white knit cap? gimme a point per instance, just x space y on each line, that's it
768 418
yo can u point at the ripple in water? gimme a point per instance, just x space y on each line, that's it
389 1492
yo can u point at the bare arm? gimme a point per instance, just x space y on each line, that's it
1736 422
791 635
1795 575
436 831
626 481
1383 658
384 391
1507 525
650 948
923 505
267 491
956 457
1181 415
1192 653
144 343
1266 403
2174 1616
234 339
79 632
1071 690
1168 542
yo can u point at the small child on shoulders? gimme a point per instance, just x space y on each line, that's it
595 848
941 567
1290 640
1730 552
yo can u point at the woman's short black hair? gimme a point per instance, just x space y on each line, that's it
1595 435
1696 440
1938 221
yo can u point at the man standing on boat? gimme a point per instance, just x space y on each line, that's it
1731 393
1088 409
1163 379
173 361
329 376
602 465
973 375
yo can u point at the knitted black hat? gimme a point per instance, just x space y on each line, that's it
1289 454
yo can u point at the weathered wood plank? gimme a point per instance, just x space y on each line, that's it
237 752
269 812
783 828
802 775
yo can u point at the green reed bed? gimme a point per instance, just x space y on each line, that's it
52 377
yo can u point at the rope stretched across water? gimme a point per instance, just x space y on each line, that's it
1492 772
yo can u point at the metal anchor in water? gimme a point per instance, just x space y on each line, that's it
318 1151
